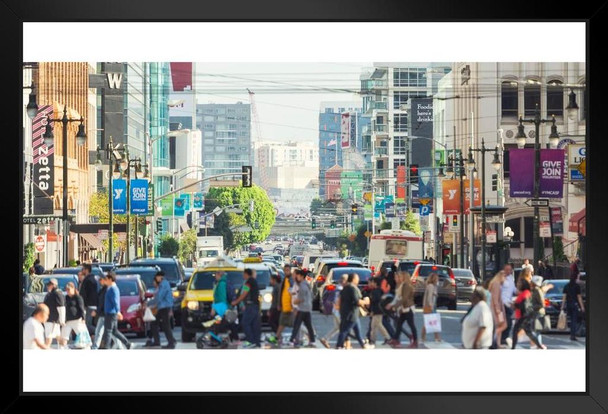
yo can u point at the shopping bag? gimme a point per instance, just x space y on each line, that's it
562 322
542 323
83 339
148 316
432 322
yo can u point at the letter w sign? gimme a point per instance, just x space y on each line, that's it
114 80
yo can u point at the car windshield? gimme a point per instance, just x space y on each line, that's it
37 287
262 277
127 287
207 253
147 276
204 280
330 266
440 270
364 274
462 273
558 287
407 267
170 269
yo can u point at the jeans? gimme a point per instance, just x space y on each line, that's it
527 325
509 317
88 319
345 328
409 318
99 330
252 324
303 317
163 321
110 328
273 319
572 312
386 322
336 328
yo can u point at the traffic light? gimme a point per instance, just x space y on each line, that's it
247 176
454 221
413 173
159 225
494 182
353 209
332 224
314 223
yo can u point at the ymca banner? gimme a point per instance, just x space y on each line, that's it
43 164
552 172
521 172
139 197
119 196
451 196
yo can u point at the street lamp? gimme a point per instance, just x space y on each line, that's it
496 165
32 107
572 108
49 137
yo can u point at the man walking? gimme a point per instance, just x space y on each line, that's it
304 302
250 294
33 328
350 301
38 268
55 301
88 292
335 312
273 312
99 312
284 304
507 292
163 302
112 314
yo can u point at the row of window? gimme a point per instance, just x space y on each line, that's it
401 97
409 77
555 104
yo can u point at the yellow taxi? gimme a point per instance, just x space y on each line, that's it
196 305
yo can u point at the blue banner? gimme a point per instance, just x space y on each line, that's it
119 196
178 207
425 183
139 196
186 198
198 202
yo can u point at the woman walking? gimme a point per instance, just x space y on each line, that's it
524 314
404 302
429 302
477 324
497 307
74 314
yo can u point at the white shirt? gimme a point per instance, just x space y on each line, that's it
507 291
32 329
478 317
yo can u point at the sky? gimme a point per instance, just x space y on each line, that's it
287 95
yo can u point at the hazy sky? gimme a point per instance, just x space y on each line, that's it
288 95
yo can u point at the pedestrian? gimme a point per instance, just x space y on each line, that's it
391 277
548 271
498 308
112 314
574 267
335 312
38 268
251 320
524 314
55 301
350 301
221 302
404 303
527 265
88 290
77 262
273 312
540 268
284 305
538 303
477 324
429 302
80 276
507 292
33 328
162 302
376 313
74 314
99 312
304 302
571 299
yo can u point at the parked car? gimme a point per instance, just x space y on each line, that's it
465 283
447 295
133 297
74 271
188 273
323 269
146 273
38 286
105 267
553 301
334 275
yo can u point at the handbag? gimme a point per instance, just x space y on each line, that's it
83 339
432 322
427 309
148 315
562 322
542 323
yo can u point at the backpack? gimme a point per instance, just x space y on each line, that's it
526 308
230 292
328 301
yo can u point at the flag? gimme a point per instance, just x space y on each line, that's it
332 142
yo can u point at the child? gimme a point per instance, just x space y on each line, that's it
376 310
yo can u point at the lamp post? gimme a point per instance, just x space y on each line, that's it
520 138
81 138
496 164
454 162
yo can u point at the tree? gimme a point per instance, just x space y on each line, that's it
260 220
168 246
98 207
359 246
28 256
315 206
558 249
187 246
319 206
411 223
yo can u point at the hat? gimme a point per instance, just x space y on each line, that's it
537 280
52 281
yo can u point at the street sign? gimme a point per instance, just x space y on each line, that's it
102 234
491 236
544 229
368 234
448 238
425 210
40 243
39 219
495 219
543 217
537 202
582 167
234 210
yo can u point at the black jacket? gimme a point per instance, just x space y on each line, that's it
54 299
101 298
88 290
74 307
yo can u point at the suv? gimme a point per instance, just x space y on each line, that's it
402 265
323 268
447 284
174 274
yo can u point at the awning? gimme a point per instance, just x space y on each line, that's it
573 223
51 236
92 241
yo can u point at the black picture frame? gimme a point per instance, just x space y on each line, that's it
13 13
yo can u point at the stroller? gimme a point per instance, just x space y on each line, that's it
216 331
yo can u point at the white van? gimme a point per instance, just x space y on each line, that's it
395 244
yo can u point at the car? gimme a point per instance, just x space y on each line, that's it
133 297
96 270
146 273
267 242
37 287
447 294
297 261
402 265
311 259
334 275
188 273
105 267
465 283
323 269
174 274
553 300
198 297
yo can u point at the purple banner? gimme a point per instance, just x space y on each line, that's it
551 172
521 172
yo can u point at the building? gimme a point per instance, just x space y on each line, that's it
287 165
226 130
332 183
485 100
294 201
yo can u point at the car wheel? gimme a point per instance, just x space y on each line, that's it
452 305
187 336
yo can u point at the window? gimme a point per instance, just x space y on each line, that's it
555 98
398 163
400 122
208 118
209 126
531 98
409 77
509 99
208 134
401 97
208 142
400 146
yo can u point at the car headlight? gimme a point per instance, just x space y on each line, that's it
267 297
176 293
133 308
192 305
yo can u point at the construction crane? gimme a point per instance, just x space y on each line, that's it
254 113
259 176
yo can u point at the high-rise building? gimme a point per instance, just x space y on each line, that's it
226 130
287 165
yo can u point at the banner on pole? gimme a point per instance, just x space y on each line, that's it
139 197
557 221
119 196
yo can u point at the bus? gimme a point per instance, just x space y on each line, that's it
394 245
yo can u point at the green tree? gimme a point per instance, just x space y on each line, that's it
411 223
28 256
558 248
187 246
359 246
386 225
98 206
261 219
315 206
168 246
